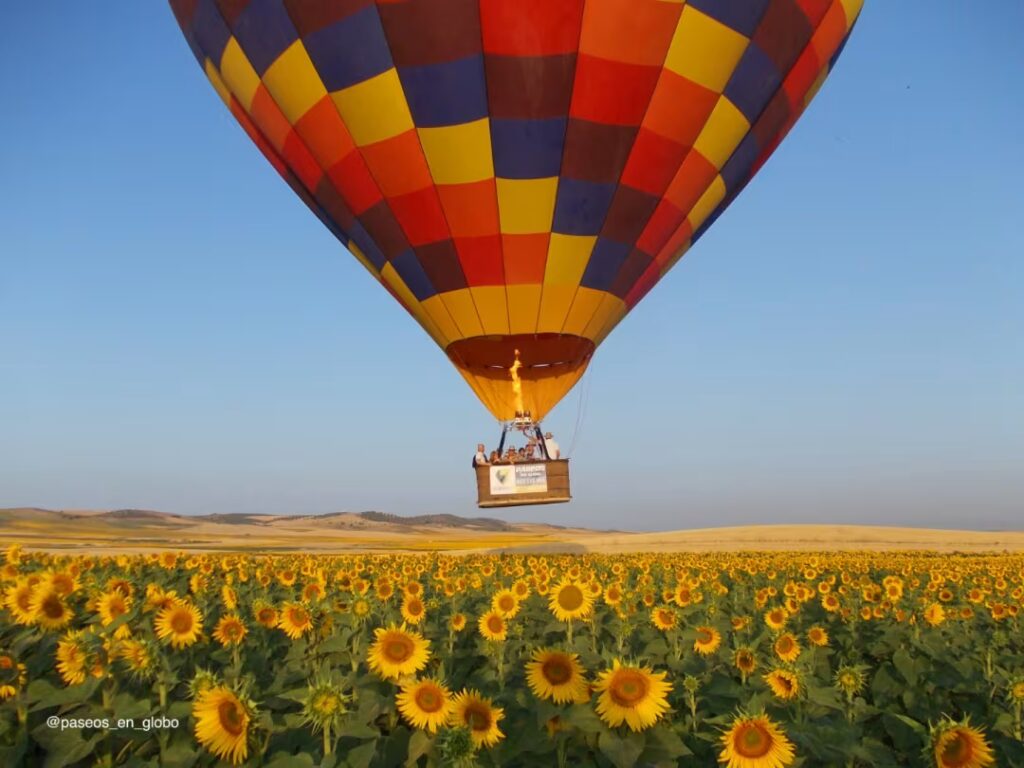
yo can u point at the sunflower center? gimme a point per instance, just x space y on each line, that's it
506 603
704 636
231 718
628 688
428 699
752 740
326 704
570 597
478 717
181 622
495 624
415 607
398 649
53 607
556 671
957 751
785 645
297 616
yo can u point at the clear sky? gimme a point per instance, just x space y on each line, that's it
178 332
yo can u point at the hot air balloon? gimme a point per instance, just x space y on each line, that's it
518 174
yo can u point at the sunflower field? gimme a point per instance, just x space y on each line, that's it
754 660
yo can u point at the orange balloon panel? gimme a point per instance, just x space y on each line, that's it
517 173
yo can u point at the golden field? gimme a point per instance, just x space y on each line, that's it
743 659
130 531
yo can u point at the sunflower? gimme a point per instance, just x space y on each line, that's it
570 600
817 636
457 622
266 615
361 608
784 684
786 647
471 710
1015 690
64 582
222 723
18 600
707 641
72 658
229 630
557 676
613 594
664 618
294 620
312 592
505 603
935 614
776 618
324 706
425 703
111 606
633 695
745 661
396 651
492 626
413 609
157 598
179 624
851 679
755 741
49 608
739 623
136 654
958 745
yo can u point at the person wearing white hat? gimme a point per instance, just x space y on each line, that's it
554 452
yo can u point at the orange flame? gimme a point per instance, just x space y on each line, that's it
517 385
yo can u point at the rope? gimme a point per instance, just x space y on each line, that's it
581 408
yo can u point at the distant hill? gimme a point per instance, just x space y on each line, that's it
243 518
117 530
449 521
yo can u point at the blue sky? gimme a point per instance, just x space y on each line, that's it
178 332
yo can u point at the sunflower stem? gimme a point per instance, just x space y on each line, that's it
327 739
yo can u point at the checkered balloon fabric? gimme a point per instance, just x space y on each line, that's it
517 173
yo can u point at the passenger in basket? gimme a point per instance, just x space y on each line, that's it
495 458
554 452
511 455
480 457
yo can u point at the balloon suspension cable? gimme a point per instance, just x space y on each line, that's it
581 407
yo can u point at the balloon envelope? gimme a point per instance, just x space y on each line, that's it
517 173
